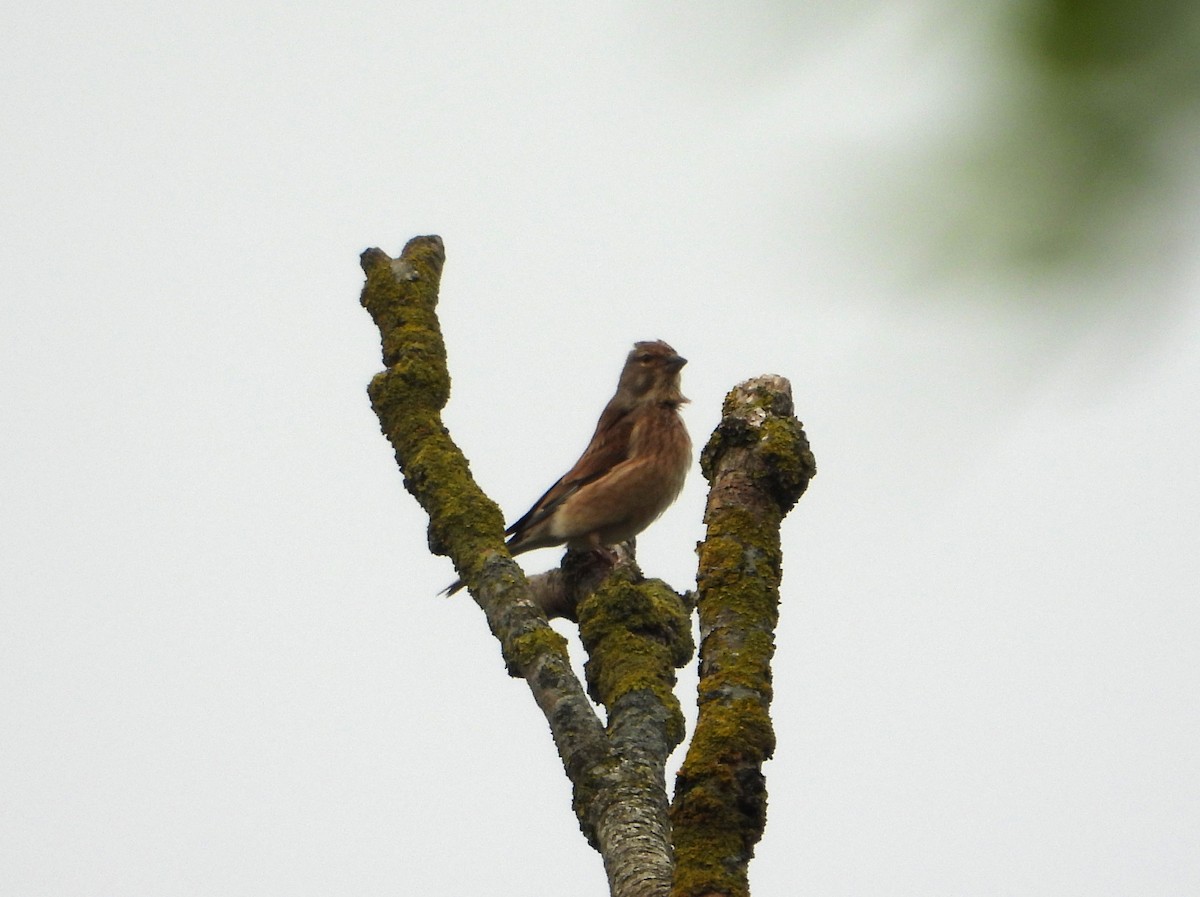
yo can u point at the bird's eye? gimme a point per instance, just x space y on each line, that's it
645 359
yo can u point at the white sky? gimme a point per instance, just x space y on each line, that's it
223 669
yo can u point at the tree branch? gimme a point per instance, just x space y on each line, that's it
758 464
636 632
401 295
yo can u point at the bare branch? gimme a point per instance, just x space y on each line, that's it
637 633
758 464
619 790
401 295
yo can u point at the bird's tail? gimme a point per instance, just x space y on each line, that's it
455 586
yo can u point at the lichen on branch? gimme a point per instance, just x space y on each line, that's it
637 632
401 295
758 464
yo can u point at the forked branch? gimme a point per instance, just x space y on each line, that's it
637 632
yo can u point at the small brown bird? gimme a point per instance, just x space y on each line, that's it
631 471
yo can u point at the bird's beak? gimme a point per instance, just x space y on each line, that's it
675 362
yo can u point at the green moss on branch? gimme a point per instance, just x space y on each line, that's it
758 464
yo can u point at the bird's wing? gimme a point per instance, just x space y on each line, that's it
608 448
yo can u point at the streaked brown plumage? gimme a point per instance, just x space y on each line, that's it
631 471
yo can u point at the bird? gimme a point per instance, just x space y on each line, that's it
632 470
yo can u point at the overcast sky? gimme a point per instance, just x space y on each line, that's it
223 667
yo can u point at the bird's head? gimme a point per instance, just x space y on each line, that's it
651 375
